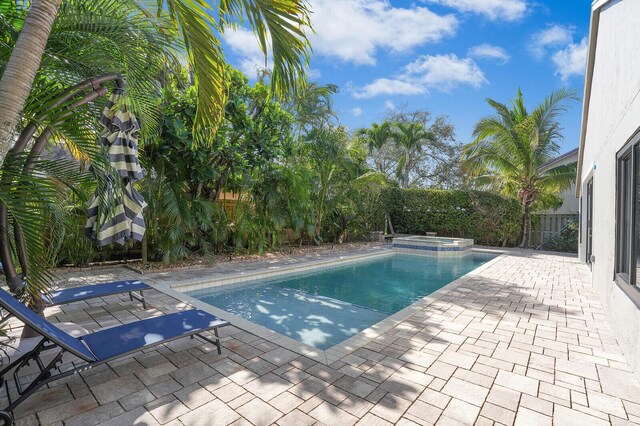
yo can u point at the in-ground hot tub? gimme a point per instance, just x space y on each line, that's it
433 246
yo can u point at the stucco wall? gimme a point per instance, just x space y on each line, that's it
614 116
570 204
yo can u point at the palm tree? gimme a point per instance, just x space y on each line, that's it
410 138
312 106
85 41
278 24
88 40
20 71
376 137
91 37
511 149
334 159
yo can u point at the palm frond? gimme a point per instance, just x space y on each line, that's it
281 25
194 19
116 36
559 178
26 196
514 145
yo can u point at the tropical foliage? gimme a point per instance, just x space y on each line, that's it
185 181
291 182
512 148
141 52
280 28
142 44
414 150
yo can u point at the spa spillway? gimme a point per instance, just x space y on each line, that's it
433 246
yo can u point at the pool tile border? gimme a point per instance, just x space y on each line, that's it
339 350
429 248
241 277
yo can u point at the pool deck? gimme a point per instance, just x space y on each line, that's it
523 341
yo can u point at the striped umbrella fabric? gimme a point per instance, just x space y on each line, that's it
123 221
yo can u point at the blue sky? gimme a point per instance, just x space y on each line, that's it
443 55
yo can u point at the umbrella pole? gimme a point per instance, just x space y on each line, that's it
145 249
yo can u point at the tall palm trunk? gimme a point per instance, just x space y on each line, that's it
526 226
22 67
405 172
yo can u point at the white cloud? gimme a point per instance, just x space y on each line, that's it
389 105
356 112
553 36
445 72
355 31
508 10
569 57
489 51
244 43
313 73
386 86
440 72
572 60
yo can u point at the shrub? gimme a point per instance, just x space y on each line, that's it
488 218
361 210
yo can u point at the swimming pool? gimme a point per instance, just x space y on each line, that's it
324 307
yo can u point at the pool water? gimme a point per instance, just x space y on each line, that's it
323 307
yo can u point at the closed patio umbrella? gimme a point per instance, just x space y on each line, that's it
123 221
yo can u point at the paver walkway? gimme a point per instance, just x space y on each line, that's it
525 342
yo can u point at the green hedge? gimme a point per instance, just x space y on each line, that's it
488 218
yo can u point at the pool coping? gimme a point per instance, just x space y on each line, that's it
334 353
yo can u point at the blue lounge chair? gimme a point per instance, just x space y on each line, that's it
75 294
95 348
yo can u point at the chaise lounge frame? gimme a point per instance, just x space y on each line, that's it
135 288
90 351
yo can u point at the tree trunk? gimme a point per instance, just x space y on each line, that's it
318 238
405 172
526 227
22 67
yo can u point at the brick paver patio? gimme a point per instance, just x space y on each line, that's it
524 342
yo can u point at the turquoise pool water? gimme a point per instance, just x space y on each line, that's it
324 307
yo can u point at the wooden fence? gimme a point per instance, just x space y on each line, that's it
229 201
545 226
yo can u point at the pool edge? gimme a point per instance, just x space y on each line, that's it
346 347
